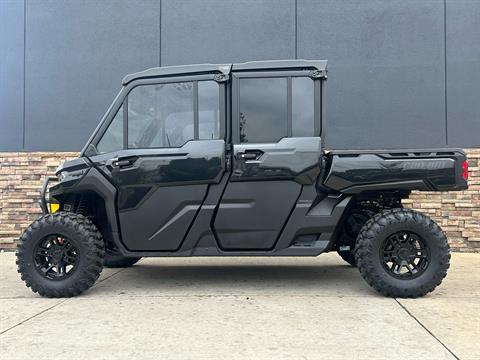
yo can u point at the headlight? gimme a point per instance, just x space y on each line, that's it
70 176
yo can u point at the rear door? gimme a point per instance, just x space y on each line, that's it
276 150
163 149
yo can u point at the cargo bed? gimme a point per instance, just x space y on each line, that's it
355 171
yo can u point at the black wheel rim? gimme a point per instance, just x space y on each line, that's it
405 255
55 257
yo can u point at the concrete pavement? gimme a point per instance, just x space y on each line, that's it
241 308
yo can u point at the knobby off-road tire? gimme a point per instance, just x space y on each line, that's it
115 260
60 238
386 236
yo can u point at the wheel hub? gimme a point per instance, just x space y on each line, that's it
57 254
55 257
405 255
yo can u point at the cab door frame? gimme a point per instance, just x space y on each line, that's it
106 162
251 216
319 95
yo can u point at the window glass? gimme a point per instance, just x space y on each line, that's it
208 110
178 129
112 140
263 109
160 115
303 123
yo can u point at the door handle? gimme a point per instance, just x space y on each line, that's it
119 163
122 163
250 155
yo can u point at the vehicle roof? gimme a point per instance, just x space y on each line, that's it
226 69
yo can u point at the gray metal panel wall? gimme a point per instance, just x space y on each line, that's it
76 55
463 72
11 75
387 84
223 31
386 70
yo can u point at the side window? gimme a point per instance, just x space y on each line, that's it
303 120
263 109
264 113
208 110
112 139
160 115
163 115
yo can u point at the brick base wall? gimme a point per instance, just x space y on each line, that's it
457 212
22 174
21 177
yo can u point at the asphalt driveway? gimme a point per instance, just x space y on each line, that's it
241 308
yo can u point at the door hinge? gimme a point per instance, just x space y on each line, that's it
221 78
318 74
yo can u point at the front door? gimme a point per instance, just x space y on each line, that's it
276 150
172 149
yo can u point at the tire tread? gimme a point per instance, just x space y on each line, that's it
364 252
88 234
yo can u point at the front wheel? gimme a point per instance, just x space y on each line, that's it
402 253
60 255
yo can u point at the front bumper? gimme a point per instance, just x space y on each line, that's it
43 202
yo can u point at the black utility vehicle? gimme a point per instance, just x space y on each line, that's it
228 160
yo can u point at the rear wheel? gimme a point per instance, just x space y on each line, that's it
114 260
60 255
402 253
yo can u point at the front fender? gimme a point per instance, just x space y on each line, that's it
94 181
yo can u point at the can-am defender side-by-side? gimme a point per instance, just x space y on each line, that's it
229 160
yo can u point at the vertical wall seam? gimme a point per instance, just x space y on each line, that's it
445 67
296 29
24 66
160 35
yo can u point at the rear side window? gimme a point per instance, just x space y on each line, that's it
265 115
303 120
208 110
263 109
